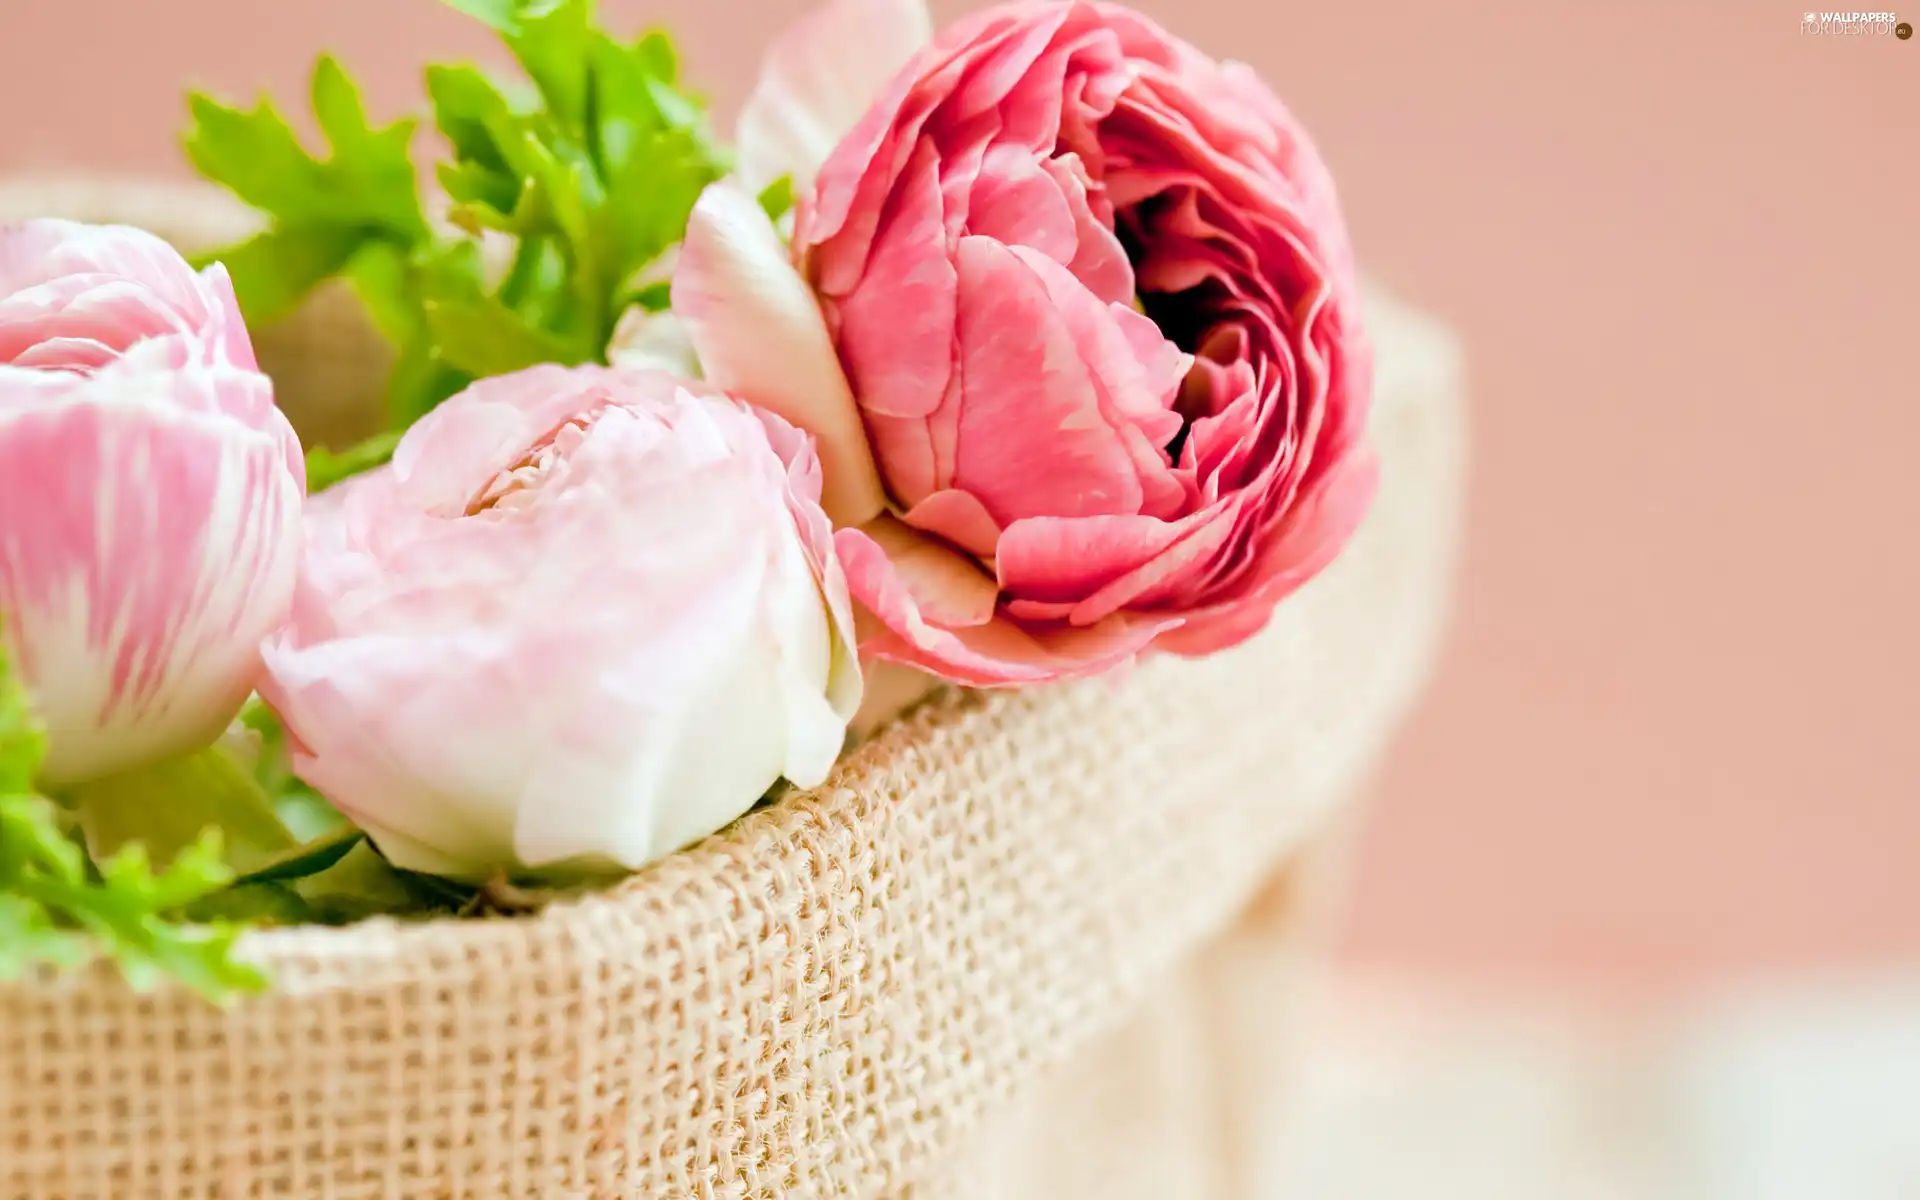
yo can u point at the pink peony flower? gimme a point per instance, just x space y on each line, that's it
585 617
1096 310
150 495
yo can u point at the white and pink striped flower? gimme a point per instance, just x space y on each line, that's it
150 495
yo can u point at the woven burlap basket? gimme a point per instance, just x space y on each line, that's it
1034 945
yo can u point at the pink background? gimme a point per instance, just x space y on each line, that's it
1675 736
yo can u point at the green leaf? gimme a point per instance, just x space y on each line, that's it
655 297
54 911
650 201
625 115
165 808
326 468
496 14
678 110
392 283
321 211
253 903
592 170
656 53
275 270
367 181
469 110
777 198
468 183
255 155
337 107
483 337
23 744
29 937
382 275
420 381
558 185
309 859
551 38
306 813
363 884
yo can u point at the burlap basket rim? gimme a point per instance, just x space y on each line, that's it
721 862
304 960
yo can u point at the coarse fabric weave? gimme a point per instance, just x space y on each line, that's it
1021 946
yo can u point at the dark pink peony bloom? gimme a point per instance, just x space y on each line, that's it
1096 309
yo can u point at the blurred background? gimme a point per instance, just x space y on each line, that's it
1658 824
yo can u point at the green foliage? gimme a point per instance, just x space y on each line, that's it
777 198
335 875
326 467
583 184
57 907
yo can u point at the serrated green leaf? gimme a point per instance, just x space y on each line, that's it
28 938
31 836
254 154
53 910
337 107
593 170
321 210
368 180
197 871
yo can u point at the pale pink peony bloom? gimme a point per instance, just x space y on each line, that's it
584 618
1096 309
150 495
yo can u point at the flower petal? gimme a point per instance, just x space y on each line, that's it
1032 438
948 588
158 545
999 653
760 336
653 341
1321 521
896 329
818 79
